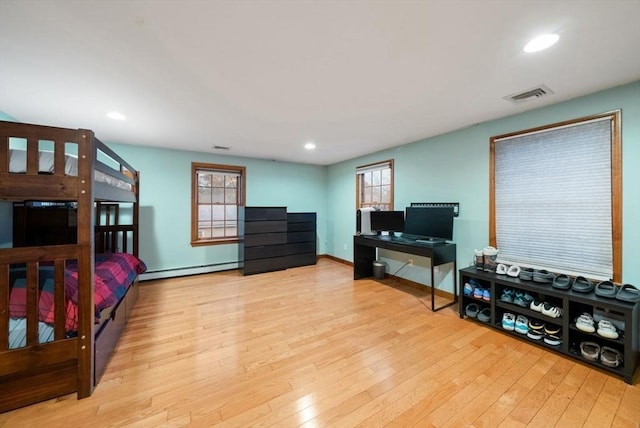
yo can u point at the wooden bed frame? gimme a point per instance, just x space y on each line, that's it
37 371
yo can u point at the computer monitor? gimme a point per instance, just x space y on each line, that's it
429 222
387 221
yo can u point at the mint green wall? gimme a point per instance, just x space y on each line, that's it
455 168
165 201
451 167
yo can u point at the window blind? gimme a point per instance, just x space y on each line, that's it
553 201
373 167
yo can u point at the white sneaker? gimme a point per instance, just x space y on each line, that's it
551 311
522 324
536 305
607 329
585 323
508 321
513 271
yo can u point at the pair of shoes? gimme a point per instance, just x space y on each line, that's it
512 271
508 321
472 310
522 324
522 299
552 335
482 293
551 311
507 295
536 330
484 315
607 329
626 292
608 356
585 323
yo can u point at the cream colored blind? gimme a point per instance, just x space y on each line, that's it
553 202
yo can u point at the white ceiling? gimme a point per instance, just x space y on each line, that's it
264 77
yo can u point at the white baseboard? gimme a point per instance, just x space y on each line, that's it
185 271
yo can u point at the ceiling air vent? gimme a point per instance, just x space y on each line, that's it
529 94
216 147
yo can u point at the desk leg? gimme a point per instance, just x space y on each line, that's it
455 290
433 290
363 258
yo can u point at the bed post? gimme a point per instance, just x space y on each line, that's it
136 215
86 242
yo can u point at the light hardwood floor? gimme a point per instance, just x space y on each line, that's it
311 347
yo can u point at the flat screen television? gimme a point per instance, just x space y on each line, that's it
429 222
387 221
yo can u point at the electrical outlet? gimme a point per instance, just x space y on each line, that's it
410 262
345 246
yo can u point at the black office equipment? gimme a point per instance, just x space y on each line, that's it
429 223
387 221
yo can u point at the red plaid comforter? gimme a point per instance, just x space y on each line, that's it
113 274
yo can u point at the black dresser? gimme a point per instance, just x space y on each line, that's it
272 239
301 239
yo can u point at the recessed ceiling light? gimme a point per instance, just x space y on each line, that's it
541 43
116 115
310 146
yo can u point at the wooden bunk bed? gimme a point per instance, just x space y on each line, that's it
87 175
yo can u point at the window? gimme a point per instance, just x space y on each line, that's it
374 186
556 197
216 193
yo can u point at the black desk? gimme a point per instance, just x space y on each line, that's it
364 254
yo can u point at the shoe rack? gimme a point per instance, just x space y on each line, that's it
572 304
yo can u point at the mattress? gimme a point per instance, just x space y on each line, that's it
114 272
18 333
18 165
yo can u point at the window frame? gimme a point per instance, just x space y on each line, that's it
616 181
240 198
371 167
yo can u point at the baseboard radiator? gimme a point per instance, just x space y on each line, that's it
188 270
